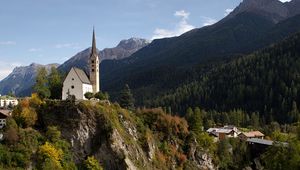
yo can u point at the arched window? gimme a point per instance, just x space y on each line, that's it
72 87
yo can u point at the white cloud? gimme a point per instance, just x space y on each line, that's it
227 11
7 43
34 49
180 28
68 45
208 21
183 14
6 68
285 0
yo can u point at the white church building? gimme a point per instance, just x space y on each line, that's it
78 83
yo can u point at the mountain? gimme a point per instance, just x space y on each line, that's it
266 82
21 80
166 63
124 49
273 9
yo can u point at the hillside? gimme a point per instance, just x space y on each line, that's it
266 81
65 134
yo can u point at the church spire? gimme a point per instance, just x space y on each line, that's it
94 66
94 48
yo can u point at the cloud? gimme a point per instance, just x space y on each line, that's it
68 45
285 0
227 11
183 14
8 43
34 49
208 21
180 28
6 68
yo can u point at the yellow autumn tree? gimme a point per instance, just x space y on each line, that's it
48 153
35 100
29 116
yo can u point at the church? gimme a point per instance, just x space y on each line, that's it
78 83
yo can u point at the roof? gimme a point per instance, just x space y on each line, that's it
260 141
219 130
82 75
7 98
253 134
94 48
5 112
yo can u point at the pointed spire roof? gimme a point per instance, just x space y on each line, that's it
94 48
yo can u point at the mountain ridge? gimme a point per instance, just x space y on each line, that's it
22 84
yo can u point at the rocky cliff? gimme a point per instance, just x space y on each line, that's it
121 139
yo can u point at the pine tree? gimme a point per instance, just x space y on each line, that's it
197 122
126 98
41 84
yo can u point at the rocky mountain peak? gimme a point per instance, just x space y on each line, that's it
274 10
132 43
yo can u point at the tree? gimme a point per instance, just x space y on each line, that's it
92 164
41 84
196 121
30 116
55 83
53 134
294 113
101 96
126 99
48 152
88 95
11 135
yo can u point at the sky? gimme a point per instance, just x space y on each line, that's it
52 31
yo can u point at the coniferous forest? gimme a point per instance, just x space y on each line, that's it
266 82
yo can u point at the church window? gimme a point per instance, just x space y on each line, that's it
93 70
93 61
72 87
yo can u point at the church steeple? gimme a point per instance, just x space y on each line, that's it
94 66
94 48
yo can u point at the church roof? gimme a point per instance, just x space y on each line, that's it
82 75
94 48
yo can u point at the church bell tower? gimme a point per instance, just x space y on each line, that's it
94 66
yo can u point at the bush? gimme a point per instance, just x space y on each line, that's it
92 164
53 134
88 95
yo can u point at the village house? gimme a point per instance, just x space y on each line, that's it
77 82
223 132
249 135
3 116
6 101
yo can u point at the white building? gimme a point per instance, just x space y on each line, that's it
3 116
6 101
223 132
78 83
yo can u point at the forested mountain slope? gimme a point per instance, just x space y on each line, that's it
267 81
164 64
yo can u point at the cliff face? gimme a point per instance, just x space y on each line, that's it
119 139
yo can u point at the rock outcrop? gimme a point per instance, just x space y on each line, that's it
112 135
